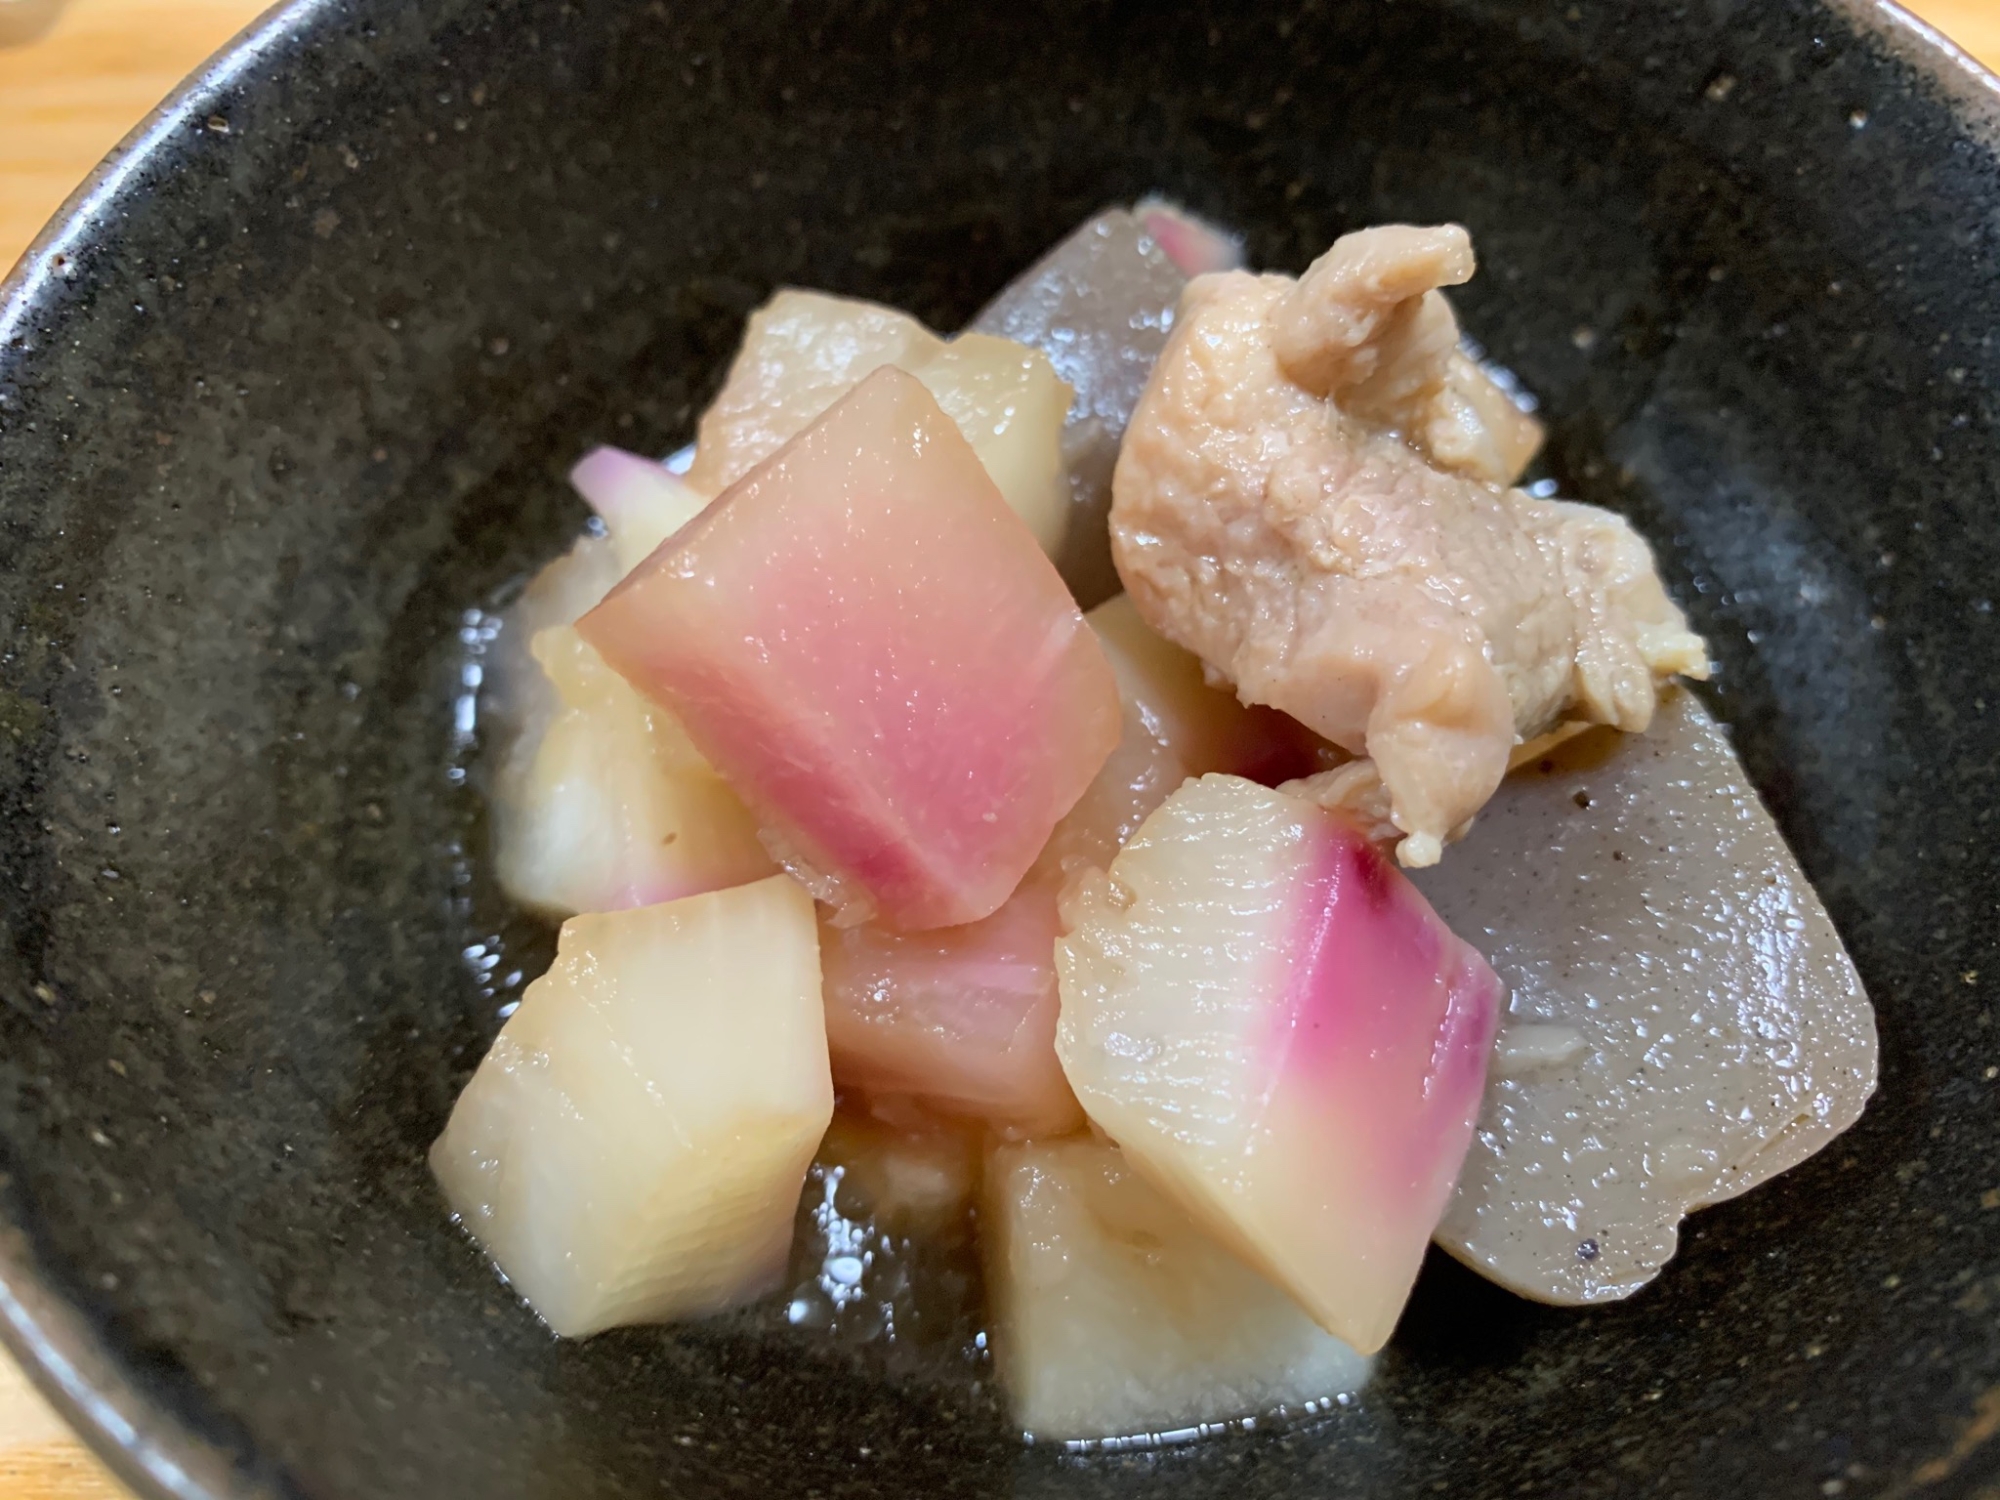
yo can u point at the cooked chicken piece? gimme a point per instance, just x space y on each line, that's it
1283 508
1474 428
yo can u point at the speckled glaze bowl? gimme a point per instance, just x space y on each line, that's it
291 388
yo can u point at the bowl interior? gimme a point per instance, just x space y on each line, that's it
288 411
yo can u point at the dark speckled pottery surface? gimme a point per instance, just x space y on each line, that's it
295 388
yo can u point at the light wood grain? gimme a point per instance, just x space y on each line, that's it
56 1471
67 99
39 1459
1973 24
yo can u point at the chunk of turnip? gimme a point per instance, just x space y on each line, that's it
640 502
610 805
963 1018
871 648
517 699
1115 1315
600 801
1006 399
632 1148
1282 1035
1176 726
802 351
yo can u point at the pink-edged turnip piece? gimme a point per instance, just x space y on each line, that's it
1281 1034
870 647
517 700
632 1148
641 502
960 1019
638 512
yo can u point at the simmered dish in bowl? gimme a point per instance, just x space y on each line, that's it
1139 792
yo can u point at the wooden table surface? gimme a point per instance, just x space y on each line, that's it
66 99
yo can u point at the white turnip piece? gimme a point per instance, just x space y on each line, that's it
632 1148
1115 1315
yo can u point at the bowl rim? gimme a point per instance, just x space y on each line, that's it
146 1446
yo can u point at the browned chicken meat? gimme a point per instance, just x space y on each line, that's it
1314 498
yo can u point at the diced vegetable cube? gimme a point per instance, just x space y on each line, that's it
803 351
1006 399
640 502
1193 244
611 806
1176 727
962 1019
1115 1315
632 1148
870 647
1281 1034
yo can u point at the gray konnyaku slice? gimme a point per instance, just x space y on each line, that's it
1648 905
1100 306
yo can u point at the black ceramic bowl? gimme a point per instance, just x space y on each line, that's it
292 388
